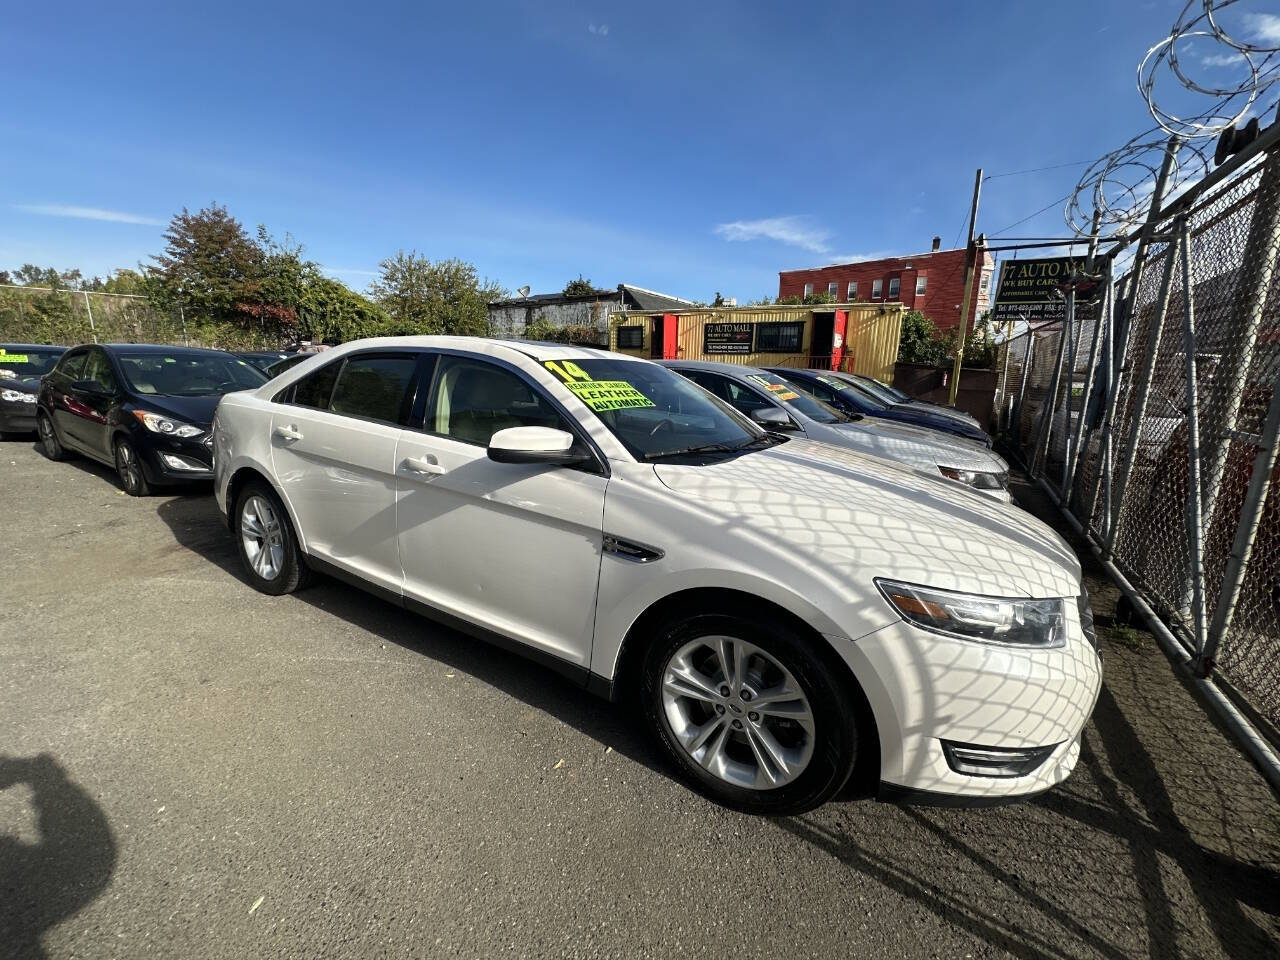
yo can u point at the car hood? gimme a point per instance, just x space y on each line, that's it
25 384
859 517
919 447
197 411
937 410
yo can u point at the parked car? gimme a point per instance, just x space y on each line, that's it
21 367
887 393
262 359
141 408
847 397
779 404
610 519
286 363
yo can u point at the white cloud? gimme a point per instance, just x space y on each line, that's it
87 213
1222 60
793 231
1263 26
600 31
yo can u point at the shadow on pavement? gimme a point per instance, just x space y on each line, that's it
41 884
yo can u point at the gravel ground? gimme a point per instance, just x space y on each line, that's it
190 769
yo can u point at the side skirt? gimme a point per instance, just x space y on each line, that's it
582 676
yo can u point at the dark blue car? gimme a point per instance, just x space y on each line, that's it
21 367
144 409
850 398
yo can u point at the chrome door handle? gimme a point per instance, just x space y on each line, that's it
425 465
288 433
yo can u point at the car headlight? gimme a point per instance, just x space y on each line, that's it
976 479
161 424
1022 623
17 396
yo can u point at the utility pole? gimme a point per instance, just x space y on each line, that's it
970 270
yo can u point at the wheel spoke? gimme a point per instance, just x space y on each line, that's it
731 654
683 681
705 732
250 525
714 753
769 747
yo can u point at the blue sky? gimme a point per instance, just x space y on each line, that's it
688 147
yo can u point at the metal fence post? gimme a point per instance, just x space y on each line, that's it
1195 536
1026 369
1258 262
1080 441
93 331
1141 383
1045 429
1246 533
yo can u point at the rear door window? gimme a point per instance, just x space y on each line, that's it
316 389
376 387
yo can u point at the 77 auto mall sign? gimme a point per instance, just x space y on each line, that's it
1034 290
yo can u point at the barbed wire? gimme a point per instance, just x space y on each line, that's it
1118 187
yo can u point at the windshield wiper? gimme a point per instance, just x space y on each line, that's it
768 438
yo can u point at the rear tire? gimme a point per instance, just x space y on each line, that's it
267 543
129 470
50 445
793 753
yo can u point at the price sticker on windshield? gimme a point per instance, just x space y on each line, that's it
13 357
599 395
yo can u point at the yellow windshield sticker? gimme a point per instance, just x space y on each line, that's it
567 370
833 382
776 387
13 357
602 395
789 395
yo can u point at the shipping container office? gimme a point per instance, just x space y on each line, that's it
856 337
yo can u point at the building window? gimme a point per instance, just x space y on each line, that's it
853 290
630 338
779 337
808 289
877 289
893 288
982 286
922 284
832 288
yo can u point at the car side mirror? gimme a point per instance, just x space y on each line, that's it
535 445
773 419
92 387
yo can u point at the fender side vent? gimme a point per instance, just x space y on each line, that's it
629 550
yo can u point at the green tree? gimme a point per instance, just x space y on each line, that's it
420 296
823 297
920 341
331 313
125 281
579 288
208 266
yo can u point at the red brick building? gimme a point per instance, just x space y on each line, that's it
932 283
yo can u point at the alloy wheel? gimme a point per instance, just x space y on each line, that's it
128 467
263 537
47 438
737 712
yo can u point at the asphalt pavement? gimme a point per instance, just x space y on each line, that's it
191 769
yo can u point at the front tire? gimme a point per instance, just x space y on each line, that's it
129 469
266 541
50 445
751 712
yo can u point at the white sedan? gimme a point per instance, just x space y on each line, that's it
784 614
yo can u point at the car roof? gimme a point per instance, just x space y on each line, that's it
712 366
31 346
158 348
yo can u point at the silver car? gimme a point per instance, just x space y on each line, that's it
777 405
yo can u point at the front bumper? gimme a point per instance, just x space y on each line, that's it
17 417
925 688
169 460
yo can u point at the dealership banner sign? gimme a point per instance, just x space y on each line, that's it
728 337
1034 290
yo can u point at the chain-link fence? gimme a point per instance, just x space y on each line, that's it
1155 417
42 315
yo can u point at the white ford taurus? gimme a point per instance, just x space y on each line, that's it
784 614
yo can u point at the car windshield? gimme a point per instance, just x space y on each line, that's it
865 400
27 361
786 392
182 373
653 411
882 391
